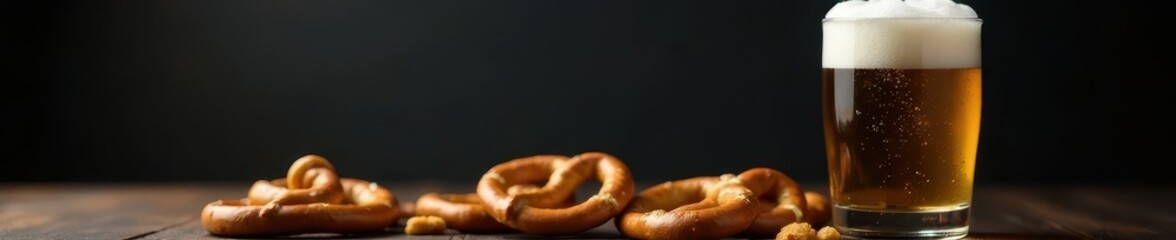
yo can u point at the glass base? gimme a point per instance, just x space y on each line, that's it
873 224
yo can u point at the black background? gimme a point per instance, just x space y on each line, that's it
228 90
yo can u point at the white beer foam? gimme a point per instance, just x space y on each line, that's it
926 34
900 9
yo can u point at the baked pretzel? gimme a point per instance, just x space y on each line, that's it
325 204
505 189
692 208
466 212
781 201
818 209
462 212
311 179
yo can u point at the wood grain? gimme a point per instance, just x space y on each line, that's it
98 211
171 211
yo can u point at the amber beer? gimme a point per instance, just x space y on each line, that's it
906 138
901 106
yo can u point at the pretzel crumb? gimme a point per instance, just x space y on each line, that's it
425 225
797 231
828 233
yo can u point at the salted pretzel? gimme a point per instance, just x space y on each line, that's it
781 201
818 210
466 212
321 203
758 203
311 179
507 197
462 212
692 208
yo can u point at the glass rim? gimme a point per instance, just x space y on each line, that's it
976 19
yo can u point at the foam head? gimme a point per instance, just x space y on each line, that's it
901 34
900 9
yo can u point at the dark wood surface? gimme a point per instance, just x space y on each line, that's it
171 211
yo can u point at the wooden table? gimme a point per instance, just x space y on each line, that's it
171 211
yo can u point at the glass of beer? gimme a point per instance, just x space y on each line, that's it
901 112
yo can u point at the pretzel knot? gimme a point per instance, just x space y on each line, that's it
543 210
781 201
466 212
693 208
755 203
463 212
312 199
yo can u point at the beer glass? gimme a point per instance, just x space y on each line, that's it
901 112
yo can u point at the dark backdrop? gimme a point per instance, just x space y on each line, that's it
233 90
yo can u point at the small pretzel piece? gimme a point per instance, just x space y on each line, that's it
425 225
540 210
797 231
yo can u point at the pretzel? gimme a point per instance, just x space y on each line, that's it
408 210
539 211
311 179
326 204
466 212
781 201
693 208
462 212
818 209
